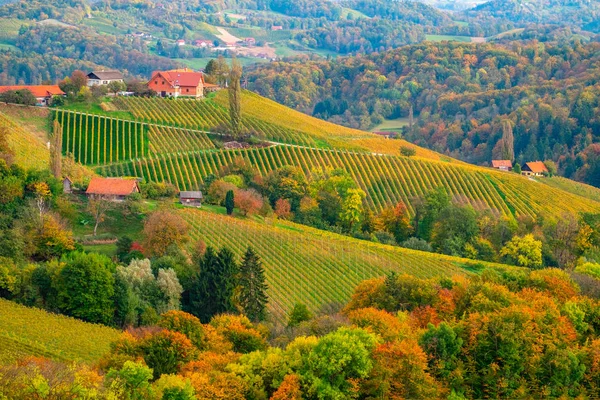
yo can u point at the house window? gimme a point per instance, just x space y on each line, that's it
187 90
156 82
163 82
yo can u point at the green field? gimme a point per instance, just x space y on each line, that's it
391 125
29 331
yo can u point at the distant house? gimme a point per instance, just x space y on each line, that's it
99 78
204 43
67 185
180 42
42 93
182 82
115 189
191 199
502 165
250 41
387 135
536 168
277 28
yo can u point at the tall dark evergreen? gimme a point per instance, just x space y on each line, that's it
213 289
227 281
203 303
229 202
253 289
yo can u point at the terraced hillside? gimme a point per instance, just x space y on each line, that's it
264 118
30 152
30 331
314 267
385 179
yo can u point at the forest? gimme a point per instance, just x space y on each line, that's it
460 94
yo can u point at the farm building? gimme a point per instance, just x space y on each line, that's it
191 199
204 43
67 185
250 41
277 28
115 189
386 134
99 78
42 93
502 165
536 168
180 42
176 83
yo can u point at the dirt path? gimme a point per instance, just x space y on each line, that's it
226 36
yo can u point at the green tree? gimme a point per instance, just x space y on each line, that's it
229 202
86 287
227 281
117 86
253 289
235 98
299 314
432 205
517 168
523 251
454 228
131 382
123 248
352 209
56 150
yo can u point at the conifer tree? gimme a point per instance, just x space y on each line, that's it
253 289
56 151
235 98
229 202
227 281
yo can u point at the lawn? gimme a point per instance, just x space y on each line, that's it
391 125
94 108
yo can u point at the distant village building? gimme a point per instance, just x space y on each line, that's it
387 135
191 199
204 43
502 165
115 189
67 185
99 78
43 93
536 168
277 28
180 83
250 41
180 42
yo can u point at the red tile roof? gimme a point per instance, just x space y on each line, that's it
182 78
112 187
536 167
37 90
501 163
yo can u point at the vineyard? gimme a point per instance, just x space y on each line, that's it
29 331
314 267
385 179
29 151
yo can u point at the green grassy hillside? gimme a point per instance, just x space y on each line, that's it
29 331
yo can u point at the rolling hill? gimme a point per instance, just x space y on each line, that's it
171 142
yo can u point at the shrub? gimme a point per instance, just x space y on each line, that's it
299 314
407 151
415 243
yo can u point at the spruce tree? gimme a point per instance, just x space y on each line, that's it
203 297
253 289
227 281
229 202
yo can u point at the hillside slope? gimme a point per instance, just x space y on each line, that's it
315 267
29 331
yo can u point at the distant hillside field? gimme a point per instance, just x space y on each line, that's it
30 151
29 331
314 267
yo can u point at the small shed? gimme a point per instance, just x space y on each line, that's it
191 199
502 165
536 168
115 189
67 185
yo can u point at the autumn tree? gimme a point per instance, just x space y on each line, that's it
396 221
56 150
248 201
253 288
283 209
163 229
352 209
524 251
235 98
508 141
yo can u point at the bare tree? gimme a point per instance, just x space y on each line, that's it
98 206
